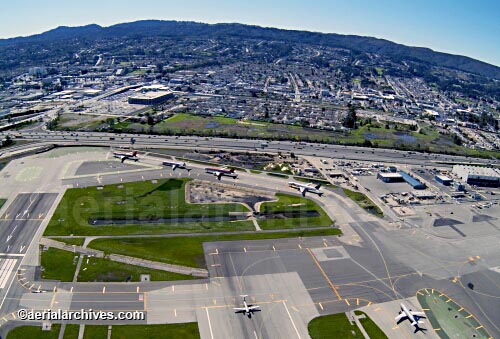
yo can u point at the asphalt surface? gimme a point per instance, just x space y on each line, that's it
18 225
293 280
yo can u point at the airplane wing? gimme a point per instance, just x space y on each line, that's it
218 175
418 314
253 307
400 317
174 167
239 309
123 158
303 191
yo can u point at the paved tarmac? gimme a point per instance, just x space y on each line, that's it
295 279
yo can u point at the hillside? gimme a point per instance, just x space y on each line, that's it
155 28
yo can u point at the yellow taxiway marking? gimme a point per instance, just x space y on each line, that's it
461 308
477 328
437 329
274 248
137 290
175 312
467 317
300 246
347 302
215 301
104 289
71 289
244 249
320 306
324 275
357 301
369 303
448 300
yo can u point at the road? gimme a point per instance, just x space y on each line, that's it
304 149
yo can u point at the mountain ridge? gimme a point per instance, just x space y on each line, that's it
189 28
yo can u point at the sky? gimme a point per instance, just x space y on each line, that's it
465 27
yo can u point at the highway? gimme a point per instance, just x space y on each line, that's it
143 141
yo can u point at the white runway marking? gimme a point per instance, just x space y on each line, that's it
6 270
293 323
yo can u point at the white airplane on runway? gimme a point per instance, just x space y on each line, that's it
248 310
126 156
304 188
414 317
219 172
174 165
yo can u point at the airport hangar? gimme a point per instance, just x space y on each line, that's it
478 176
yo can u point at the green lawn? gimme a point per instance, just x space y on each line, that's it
293 204
364 202
374 332
279 175
184 331
2 202
256 171
105 270
28 332
71 331
58 264
142 200
95 332
335 326
187 251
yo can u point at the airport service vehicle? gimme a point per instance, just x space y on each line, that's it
175 165
126 156
414 317
220 172
304 188
248 310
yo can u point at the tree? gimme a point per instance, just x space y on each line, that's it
350 118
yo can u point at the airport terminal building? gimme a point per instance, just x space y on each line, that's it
478 176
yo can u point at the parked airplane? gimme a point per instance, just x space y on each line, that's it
304 188
414 317
175 165
248 310
126 156
219 172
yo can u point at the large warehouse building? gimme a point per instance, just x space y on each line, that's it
150 98
478 176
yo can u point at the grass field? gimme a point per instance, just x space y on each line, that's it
71 331
374 332
58 264
25 332
2 202
105 270
187 251
142 200
379 136
290 204
184 331
333 326
95 332
364 202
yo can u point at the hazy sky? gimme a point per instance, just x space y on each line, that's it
466 27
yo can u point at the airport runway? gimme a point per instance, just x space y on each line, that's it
293 280
18 225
